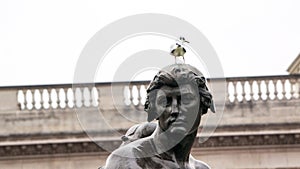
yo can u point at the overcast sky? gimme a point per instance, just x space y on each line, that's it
40 41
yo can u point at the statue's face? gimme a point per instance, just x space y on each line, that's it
178 108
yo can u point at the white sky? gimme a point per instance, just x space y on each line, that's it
40 41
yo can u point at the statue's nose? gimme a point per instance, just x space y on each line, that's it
175 108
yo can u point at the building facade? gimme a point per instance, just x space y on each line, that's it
258 129
294 68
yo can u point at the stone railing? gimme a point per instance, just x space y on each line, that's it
266 88
57 97
68 96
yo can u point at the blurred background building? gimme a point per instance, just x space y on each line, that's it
294 68
260 127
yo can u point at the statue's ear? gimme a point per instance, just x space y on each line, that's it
212 106
151 114
205 108
150 118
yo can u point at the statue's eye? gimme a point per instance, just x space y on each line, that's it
162 101
187 98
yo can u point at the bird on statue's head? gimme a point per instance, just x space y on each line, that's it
178 49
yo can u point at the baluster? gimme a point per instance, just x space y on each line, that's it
25 98
33 101
135 94
293 88
71 98
87 98
143 94
243 91
82 96
93 97
66 97
21 101
267 90
50 98
90 91
235 99
130 94
90 99
275 89
293 82
38 98
57 98
74 97
42 99
139 95
29 102
283 89
227 94
99 95
251 90
75 93
46 99
259 89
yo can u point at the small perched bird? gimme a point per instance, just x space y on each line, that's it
178 50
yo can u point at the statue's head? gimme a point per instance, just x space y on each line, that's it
178 93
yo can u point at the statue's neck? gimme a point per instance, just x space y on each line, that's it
181 150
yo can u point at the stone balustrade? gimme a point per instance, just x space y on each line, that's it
68 96
57 97
267 88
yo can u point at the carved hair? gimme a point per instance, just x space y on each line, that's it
176 75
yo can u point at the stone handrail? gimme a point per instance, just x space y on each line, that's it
65 96
266 88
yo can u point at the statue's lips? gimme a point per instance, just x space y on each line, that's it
178 122
179 127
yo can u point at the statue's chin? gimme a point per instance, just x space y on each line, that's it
178 131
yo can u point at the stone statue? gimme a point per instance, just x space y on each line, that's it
177 97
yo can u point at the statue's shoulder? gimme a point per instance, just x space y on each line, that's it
120 159
198 164
124 157
127 150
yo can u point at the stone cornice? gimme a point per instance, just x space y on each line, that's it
85 146
251 140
